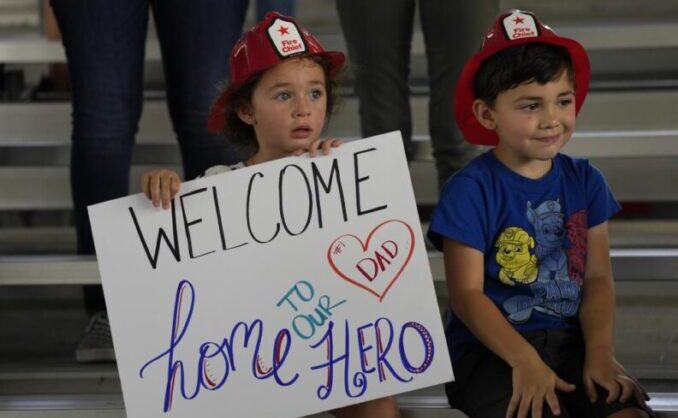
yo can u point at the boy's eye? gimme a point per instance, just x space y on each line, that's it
531 107
566 102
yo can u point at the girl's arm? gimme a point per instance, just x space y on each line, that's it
533 381
160 186
323 146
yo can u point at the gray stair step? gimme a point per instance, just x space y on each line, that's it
418 405
46 240
29 47
621 132
48 187
647 305
51 240
630 265
611 124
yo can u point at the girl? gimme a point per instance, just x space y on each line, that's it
277 102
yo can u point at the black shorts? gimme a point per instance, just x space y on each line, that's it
483 381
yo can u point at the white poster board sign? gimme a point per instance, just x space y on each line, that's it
278 290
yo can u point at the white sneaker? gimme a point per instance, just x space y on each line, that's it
97 344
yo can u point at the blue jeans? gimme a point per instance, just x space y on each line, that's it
105 42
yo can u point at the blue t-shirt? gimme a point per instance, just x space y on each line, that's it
532 234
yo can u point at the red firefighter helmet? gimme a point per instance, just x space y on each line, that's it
512 28
274 39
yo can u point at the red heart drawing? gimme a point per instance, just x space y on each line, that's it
374 268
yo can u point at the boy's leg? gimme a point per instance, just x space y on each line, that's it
484 383
630 413
378 36
568 353
196 38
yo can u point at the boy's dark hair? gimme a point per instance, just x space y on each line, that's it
513 66
242 134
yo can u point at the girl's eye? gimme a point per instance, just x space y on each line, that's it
283 95
316 94
531 107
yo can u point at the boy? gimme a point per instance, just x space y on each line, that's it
524 233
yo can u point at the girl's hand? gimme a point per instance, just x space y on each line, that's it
325 145
601 368
533 384
160 186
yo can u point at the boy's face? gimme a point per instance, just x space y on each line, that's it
288 107
533 121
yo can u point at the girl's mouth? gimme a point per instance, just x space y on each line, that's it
301 132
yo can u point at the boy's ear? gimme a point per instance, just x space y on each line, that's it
246 114
484 114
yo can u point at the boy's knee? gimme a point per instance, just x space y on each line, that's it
630 413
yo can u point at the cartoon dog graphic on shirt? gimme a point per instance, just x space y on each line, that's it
549 230
513 255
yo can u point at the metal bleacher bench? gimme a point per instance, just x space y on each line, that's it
421 405
623 132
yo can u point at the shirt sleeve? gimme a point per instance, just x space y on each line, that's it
460 215
601 203
218 169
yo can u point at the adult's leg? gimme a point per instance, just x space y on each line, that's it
378 35
286 7
453 31
104 44
196 38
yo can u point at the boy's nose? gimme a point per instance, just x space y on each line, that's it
549 119
548 124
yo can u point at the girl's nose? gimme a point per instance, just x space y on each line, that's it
303 108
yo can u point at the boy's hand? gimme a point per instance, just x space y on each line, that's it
160 186
322 144
533 383
601 368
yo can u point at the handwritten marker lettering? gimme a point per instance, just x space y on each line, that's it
323 188
305 324
379 262
221 355
300 289
376 262
398 362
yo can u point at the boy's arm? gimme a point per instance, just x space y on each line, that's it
533 381
596 315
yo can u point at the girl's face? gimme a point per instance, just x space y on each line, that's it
288 108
